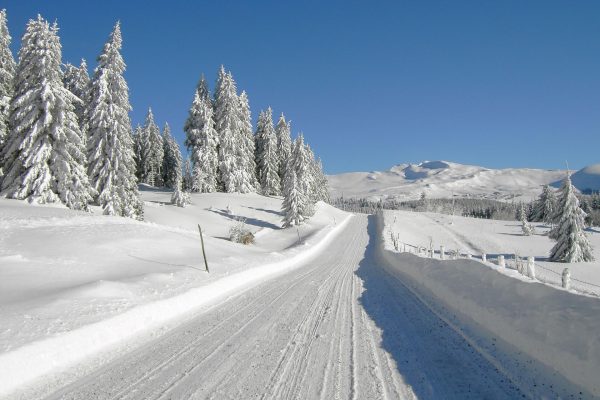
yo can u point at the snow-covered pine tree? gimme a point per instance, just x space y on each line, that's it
267 158
284 145
201 141
322 185
171 161
572 244
155 151
44 156
77 81
7 74
301 164
140 146
187 175
545 205
226 106
249 180
110 142
293 199
179 197
525 225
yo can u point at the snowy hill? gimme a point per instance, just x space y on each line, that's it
440 179
586 179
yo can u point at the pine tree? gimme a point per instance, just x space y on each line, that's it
293 199
322 185
201 141
187 175
226 117
77 81
7 74
525 225
545 205
571 241
140 146
267 158
44 157
300 163
110 142
171 161
284 145
155 152
248 179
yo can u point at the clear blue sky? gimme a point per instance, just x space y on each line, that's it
370 83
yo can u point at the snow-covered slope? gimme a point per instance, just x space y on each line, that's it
69 278
586 179
443 179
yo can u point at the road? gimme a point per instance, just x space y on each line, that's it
339 327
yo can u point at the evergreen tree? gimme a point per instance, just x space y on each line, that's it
322 185
187 175
226 108
571 241
545 206
300 163
155 152
284 145
110 142
77 81
525 225
201 141
7 74
140 150
293 199
171 161
267 158
44 157
248 179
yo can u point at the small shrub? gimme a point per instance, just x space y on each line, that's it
239 233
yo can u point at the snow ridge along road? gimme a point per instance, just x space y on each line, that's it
50 356
339 327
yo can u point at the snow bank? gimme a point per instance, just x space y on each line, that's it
558 328
21 365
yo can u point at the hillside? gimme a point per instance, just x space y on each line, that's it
442 179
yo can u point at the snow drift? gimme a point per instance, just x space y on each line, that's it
555 327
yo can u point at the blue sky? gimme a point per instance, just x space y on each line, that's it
371 84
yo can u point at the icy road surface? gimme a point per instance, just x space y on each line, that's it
338 328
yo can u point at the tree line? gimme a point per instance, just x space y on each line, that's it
67 137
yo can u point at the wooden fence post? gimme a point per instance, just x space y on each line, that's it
203 252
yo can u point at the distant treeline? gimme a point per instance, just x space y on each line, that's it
466 207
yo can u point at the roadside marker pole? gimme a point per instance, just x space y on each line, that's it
203 252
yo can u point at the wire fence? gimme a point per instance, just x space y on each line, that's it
526 266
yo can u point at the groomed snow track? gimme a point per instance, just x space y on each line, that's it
339 327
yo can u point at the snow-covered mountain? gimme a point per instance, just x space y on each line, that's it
443 179
586 179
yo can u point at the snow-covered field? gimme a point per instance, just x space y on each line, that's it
478 236
444 179
89 276
505 312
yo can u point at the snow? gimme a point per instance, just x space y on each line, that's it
586 179
91 281
554 326
443 179
493 237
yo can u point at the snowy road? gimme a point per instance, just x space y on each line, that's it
339 327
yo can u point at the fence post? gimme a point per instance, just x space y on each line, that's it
566 279
203 252
531 267
484 257
501 262
442 255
